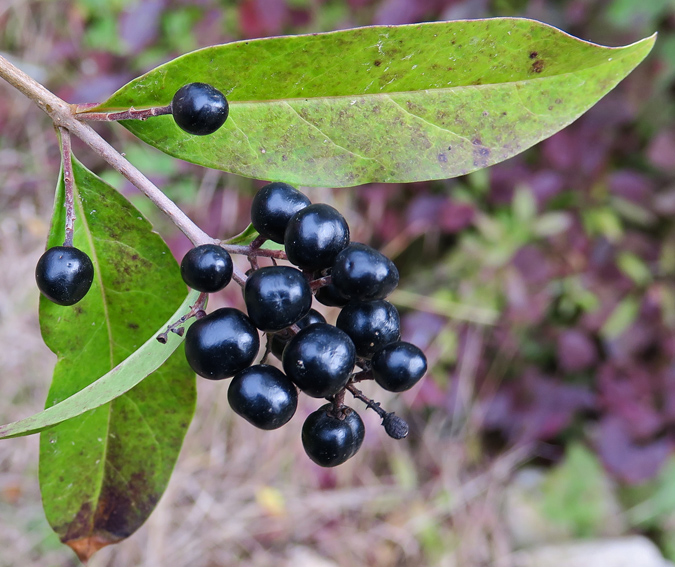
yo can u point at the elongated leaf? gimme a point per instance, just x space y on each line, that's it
383 103
118 381
102 473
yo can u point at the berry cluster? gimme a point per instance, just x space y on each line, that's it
64 274
318 359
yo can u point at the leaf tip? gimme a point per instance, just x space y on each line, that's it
85 547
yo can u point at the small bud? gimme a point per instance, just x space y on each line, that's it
396 427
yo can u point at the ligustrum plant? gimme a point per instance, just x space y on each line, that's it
375 104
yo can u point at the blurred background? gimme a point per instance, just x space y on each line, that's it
542 290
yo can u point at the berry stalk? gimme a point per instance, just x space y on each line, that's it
68 181
132 114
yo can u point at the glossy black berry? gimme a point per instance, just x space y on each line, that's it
221 344
276 297
370 324
280 339
361 272
398 366
263 396
314 236
329 295
207 268
64 274
319 360
272 208
330 441
199 109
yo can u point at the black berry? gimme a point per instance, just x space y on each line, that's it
329 295
272 208
207 268
221 344
314 237
370 324
319 360
263 396
199 109
276 297
361 272
280 339
64 274
398 366
330 441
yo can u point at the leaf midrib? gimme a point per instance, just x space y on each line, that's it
90 239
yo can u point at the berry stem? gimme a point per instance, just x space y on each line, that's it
251 250
68 181
396 427
61 114
238 277
196 310
258 242
372 404
320 282
81 113
363 375
338 401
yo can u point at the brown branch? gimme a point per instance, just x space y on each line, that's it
131 114
68 181
61 114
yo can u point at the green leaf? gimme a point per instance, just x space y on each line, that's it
576 494
621 318
382 103
102 473
248 235
118 381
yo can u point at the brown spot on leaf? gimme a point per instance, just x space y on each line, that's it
558 101
538 66
133 326
533 55
442 158
377 62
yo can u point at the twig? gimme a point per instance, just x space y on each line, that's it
131 114
320 282
196 310
68 181
251 250
395 426
61 114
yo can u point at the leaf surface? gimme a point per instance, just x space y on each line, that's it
118 381
102 473
382 103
